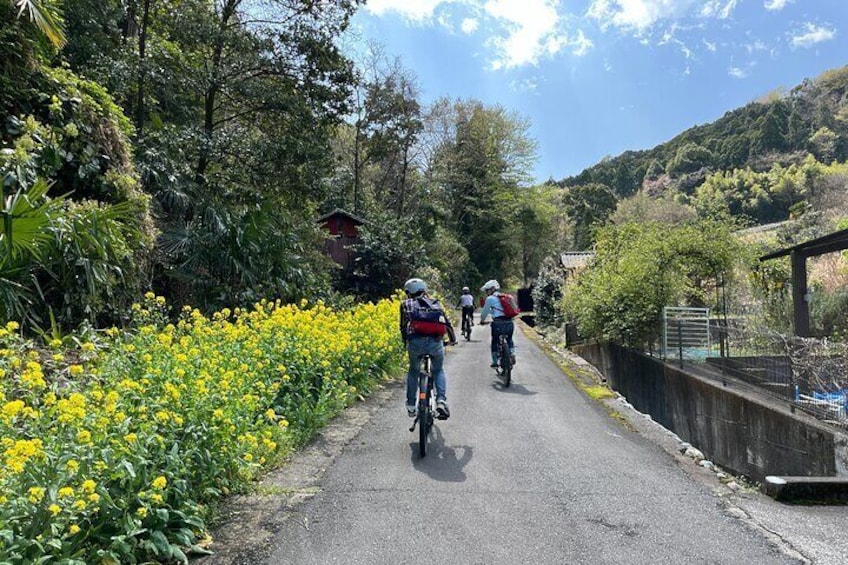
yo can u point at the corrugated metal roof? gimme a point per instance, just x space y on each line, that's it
575 259
340 212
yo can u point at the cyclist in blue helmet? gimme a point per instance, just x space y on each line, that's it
423 325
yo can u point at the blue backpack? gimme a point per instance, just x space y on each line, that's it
425 317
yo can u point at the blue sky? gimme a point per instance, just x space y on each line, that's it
599 77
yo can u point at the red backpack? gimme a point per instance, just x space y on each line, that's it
509 305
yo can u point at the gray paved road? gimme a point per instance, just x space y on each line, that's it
528 475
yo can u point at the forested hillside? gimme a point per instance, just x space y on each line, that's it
760 163
812 117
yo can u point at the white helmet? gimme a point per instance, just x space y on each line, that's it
490 285
466 289
414 286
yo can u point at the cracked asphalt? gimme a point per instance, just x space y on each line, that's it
537 473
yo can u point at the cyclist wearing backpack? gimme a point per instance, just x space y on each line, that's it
503 310
466 301
423 324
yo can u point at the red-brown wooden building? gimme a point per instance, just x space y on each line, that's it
343 228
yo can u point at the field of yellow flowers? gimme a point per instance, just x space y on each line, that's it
112 448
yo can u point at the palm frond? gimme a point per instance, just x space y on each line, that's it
46 16
25 220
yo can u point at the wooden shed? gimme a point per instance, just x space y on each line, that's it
798 254
343 229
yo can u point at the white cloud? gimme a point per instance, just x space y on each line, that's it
413 10
521 32
668 38
775 5
526 85
639 15
757 45
811 35
533 30
736 72
469 25
718 9
711 46
636 14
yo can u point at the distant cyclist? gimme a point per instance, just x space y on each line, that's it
423 324
466 302
501 324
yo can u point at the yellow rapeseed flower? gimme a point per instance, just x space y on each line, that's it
141 512
66 492
36 494
73 529
54 509
160 482
88 486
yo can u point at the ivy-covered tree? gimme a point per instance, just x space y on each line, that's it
640 268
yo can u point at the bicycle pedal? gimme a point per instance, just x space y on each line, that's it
442 416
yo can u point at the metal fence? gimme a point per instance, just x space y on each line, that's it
811 373
686 333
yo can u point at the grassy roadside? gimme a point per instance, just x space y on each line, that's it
587 380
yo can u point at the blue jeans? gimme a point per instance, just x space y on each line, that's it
434 347
499 328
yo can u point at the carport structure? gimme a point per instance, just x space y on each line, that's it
798 254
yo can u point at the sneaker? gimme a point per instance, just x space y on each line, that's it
442 410
411 410
494 365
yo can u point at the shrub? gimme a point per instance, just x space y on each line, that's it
113 448
547 293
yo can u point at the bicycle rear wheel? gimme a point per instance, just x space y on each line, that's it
423 430
505 361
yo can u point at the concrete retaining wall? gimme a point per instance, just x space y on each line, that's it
742 434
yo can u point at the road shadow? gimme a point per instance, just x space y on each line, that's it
445 463
513 388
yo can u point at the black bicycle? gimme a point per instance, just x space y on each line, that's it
504 369
426 415
466 326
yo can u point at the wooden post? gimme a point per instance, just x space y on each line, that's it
801 307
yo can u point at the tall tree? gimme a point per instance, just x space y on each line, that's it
588 206
480 167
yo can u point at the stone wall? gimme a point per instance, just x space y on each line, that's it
738 431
